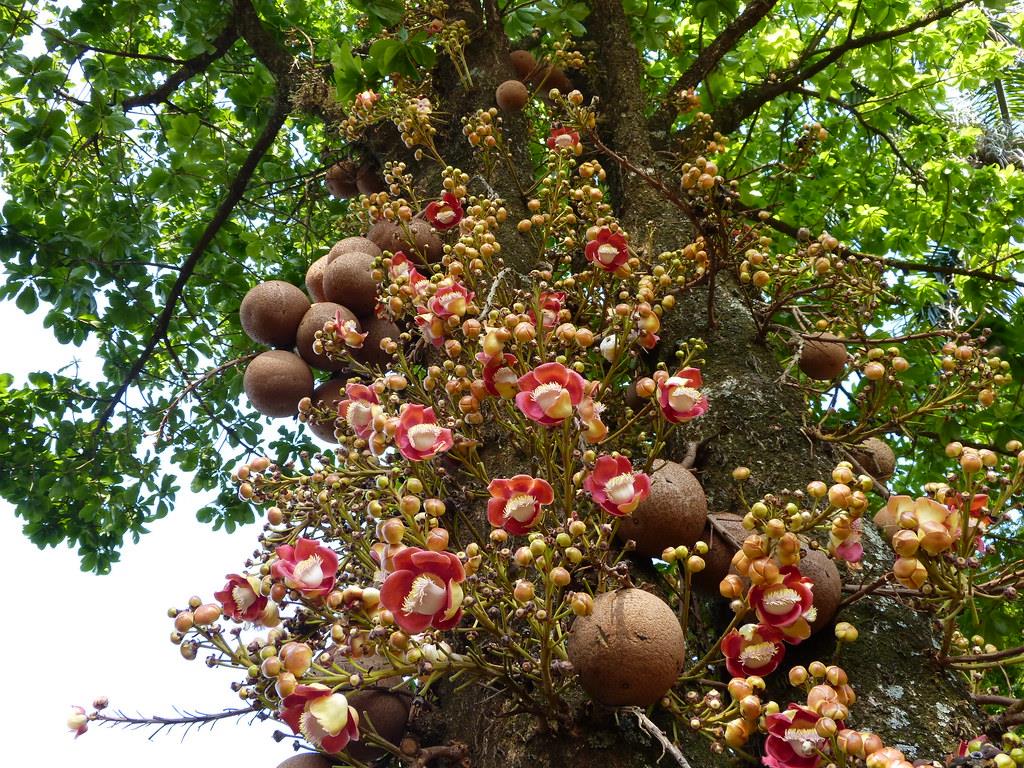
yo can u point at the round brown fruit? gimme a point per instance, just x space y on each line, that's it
673 514
823 357
271 313
828 585
368 180
376 329
511 96
386 235
629 650
523 62
876 457
312 322
341 179
326 396
720 551
275 381
389 713
307 760
348 280
360 244
315 279
425 241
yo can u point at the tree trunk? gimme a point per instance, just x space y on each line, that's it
755 421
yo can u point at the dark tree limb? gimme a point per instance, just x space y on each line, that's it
729 115
708 58
234 194
189 69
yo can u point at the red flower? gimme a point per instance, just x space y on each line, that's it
450 300
563 138
418 436
308 567
608 250
784 603
589 412
446 214
323 718
792 741
550 303
359 408
680 398
348 330
548 393
754 649
424 590
515 503
500 378
241 598
615 487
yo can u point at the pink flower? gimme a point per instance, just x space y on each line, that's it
323 718
784 603
615 487
418 436
401 267
424 590
550 303
308 567
515 503
431 327
563 138
78 721
241 598
450 300
548 393
844 540
359 408
753 649
500 377
608 250
446 214
349 332
367 99
792 741
680 398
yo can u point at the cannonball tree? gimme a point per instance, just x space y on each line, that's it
643 373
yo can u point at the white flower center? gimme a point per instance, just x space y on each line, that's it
243 597
427 595
310 572
548 397
360 414
564 140
520 507
804 741
780 600
607 253
683 398
757 655
424 436
505 376
620 488
445 215
311 728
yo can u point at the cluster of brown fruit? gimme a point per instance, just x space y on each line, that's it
512 95
280 315
347 178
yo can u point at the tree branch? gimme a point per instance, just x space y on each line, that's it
234 194
708 58
901 264
728 117
221 45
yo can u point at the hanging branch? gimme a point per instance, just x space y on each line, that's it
188 719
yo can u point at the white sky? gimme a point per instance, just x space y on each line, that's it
69 636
